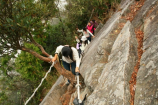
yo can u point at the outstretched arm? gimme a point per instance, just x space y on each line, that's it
58 50
54 58
79 30
90 33
76 57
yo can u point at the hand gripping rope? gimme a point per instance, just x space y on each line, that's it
40 84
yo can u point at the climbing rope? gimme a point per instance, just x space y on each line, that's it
40 83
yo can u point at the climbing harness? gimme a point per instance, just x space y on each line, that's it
40 83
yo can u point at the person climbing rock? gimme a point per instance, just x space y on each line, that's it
70 58
94 24
78 44
90 27
86 33
83 43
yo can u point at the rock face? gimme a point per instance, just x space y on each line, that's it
53 97
113 81
110 58
147 77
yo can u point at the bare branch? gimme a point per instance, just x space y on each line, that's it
46 59
38 45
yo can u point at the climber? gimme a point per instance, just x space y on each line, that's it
83 42
90 27
86 33
94 24
70 58
78 44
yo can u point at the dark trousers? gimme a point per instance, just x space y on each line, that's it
79 52
89 38
67 66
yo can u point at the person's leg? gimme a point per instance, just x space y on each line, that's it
73 67
89 38
79 52
67 67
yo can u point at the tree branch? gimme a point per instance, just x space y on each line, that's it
38 45
35 54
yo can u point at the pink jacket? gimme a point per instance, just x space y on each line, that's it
90 28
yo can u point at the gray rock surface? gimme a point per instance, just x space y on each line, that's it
96 53
147 78
113 86
98 28
53 97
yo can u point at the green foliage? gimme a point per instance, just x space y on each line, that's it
20 23
6 64
20 20
19 88
3 97
29 66
79 11
14 90
11 83
57 36
33 69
